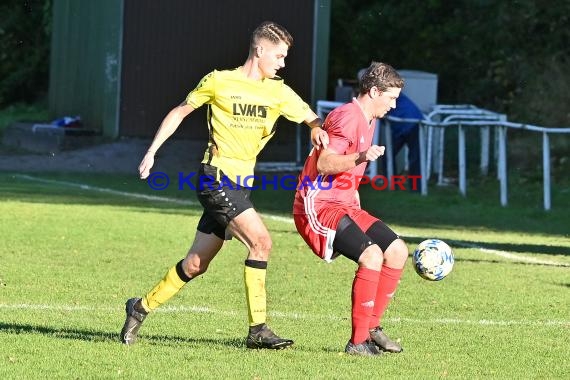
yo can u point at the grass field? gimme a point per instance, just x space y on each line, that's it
75 247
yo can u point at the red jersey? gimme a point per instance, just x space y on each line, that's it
349 132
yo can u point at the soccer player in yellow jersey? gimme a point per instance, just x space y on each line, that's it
243 105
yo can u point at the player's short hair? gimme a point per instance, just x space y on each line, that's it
272 32
380 75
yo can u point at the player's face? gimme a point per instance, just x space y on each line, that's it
271 57
384 101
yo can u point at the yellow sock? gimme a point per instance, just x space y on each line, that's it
166 288
254 277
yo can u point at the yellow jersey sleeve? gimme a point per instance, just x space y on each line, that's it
293 107
204 92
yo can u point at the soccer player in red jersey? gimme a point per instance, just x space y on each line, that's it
329 217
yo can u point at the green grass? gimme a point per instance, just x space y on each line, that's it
70 256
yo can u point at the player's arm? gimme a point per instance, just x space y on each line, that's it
168 126
331 162
319 137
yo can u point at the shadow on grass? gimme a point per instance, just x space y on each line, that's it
124 193
101 336
543 264
507 247
159 340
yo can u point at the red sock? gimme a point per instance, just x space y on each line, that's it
387 284
363 291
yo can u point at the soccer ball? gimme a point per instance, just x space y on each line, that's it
433 259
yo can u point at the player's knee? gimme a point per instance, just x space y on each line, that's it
193 266
371 257
260 247
397 253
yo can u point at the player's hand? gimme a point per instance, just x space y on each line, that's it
319 138
146 164
374 152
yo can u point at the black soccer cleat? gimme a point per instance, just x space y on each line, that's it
133 322
366 348
383 342
265 338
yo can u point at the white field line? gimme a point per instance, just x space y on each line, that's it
503 254
293 316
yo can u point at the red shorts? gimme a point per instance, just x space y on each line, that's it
319 229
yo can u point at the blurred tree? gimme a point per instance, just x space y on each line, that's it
24 50
510 56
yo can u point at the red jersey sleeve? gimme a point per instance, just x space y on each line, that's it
336 125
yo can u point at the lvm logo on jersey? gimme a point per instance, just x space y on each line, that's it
252 110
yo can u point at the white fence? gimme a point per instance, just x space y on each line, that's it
432 149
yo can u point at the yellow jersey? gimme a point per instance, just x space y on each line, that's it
241 117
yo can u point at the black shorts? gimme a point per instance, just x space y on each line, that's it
222 201
350 241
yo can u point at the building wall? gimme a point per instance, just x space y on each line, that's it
168 49
85 62
123 64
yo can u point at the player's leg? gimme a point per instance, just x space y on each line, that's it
248 228
230 204
203 250
207 242
395 256
352 242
